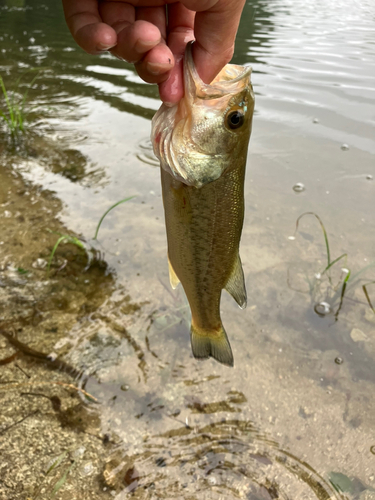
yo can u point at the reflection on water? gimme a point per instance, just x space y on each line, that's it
295 417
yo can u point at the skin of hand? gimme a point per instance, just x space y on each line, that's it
153 34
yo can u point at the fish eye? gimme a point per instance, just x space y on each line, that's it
235 119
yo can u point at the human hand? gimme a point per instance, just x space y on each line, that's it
153 34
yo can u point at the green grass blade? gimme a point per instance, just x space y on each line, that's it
343 290
62 238
324 233
27 91
6 97
372 264
5 118
17 118
69 239
60 483
105 213
57 462
334 262
364 288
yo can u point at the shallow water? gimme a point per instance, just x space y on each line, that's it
294 419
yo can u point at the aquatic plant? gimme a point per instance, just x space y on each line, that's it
346 279
72 463
66 238
14 114
106 212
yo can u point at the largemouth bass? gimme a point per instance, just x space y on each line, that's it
202 144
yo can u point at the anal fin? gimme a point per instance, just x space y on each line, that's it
236 284
173 278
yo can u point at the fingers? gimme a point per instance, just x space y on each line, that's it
180 32
140 38
88 30
214 27
138 34
215 32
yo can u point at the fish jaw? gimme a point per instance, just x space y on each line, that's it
192 139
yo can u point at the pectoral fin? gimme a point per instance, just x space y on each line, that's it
172 276
236 284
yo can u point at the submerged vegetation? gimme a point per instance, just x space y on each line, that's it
347 279
80 243
12 111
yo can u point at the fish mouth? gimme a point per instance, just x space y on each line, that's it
230 80
179 153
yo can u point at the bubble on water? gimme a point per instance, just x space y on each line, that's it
369 177
299 187
322 308
339 361
344 147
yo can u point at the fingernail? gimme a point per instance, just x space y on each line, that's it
158 68
144 45
103 46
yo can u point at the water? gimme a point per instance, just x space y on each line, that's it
290 421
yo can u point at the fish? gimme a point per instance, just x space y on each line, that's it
202 143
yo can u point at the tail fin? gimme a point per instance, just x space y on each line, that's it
215 344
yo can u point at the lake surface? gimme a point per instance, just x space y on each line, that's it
295 418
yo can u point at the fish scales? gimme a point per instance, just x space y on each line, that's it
202 146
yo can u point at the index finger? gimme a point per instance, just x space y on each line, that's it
85 24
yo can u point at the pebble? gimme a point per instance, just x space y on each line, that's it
339 361
87 469
39 264
79 452
344 147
